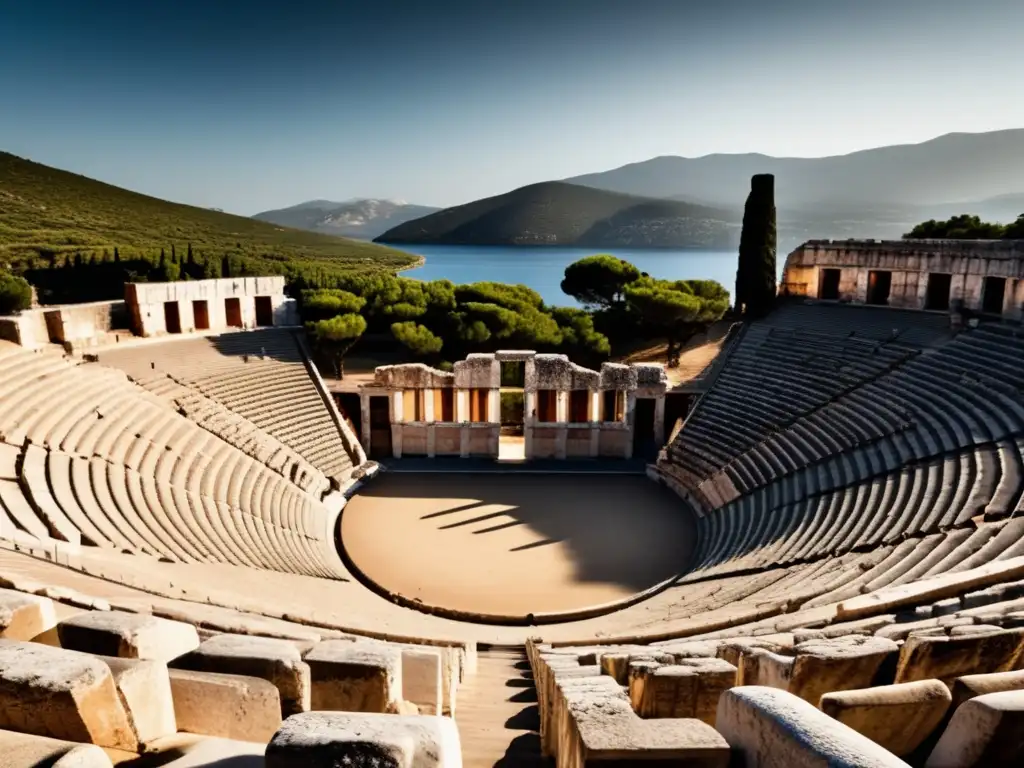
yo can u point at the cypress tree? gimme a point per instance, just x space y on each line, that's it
174 254
117 255
755 275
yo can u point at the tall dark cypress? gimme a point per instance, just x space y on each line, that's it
755 275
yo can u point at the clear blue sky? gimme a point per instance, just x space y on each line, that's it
256 105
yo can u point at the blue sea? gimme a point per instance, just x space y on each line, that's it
542 268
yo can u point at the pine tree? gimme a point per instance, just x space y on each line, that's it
755 275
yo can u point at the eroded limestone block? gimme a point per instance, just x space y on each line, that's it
549 669
421 679
20 750
690 649
145 690
271 659
63 694
600 725
365 740
770 727
969 686
616 664
946 658
23 617
688 689
986 731
355 677
898 717
735 649
226 706
129 635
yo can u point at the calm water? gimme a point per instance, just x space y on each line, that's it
542 268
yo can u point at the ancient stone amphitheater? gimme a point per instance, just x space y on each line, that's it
849 587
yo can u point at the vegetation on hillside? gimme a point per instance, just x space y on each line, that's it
55 220
556 213
967 227
15 293
755 274
439 322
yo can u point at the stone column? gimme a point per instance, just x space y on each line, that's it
595 405
561 407
529 405
594 415
659 420
364 421
493 406
396 424
461 405
630 423
428 419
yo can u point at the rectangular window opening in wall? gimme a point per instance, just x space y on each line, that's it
829 287
993 295
264 311
412 405
879 286
939 288
579 406
201 315
547 406
233 313
613 405
444 405
172 317
478 405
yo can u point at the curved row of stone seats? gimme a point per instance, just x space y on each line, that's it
110 465
841 505
239 432
263 376
902 698
125 681
959 395
772 378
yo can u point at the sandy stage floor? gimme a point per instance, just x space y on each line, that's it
514 544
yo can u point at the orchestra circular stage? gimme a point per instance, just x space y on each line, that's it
506 545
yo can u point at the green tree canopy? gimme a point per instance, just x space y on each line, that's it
417 338
324 303
335 336
579 338
676 309
599 281
966 226
15 293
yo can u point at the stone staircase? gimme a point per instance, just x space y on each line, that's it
499 724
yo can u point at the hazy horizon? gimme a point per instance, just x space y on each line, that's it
257 106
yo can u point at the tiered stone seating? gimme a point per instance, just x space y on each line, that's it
262 377
113 466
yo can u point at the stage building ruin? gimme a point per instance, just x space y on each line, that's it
981 276
568 411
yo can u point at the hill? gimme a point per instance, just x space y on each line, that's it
362 219
46 212
949 169
557 213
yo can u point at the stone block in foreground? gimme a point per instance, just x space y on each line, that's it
355 677
365 740
690 688
898 717
271 659
23 617
969 686
129 635
946 658
987 731
145 690
770 727
63 694
227 706
22 749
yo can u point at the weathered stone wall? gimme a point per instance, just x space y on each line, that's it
72 323
147 301
910 262
27 329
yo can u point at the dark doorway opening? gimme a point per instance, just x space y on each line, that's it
172 317
351 410
233 313
829 290
643 428
380 428
444 404
579 406
613 405
547 406
939 287
201 315
879 286
993 295
264 311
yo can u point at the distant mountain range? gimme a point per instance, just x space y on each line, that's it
698 202
557 213
363 219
